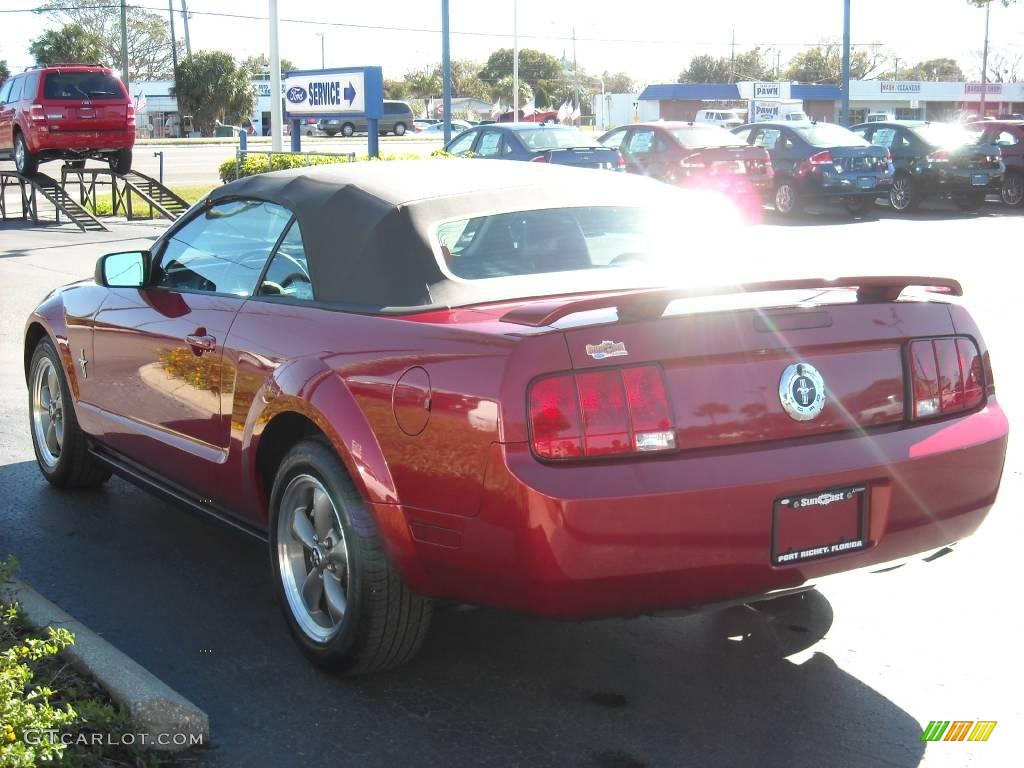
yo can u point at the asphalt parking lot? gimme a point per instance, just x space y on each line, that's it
848 676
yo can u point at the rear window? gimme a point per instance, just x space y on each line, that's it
97 86
712 136
830 135
555 138
947 135
552 240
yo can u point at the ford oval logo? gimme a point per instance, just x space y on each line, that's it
296 94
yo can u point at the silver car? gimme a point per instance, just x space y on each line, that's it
397 119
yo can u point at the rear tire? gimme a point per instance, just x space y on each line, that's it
25 161
61 447
399 129
787 198
1012 192
121 161
344 602
903 196
348 130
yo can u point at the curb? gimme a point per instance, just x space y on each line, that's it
159 711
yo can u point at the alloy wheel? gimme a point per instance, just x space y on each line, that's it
1013 189
19 154
313 558
47 412
784 199
900 196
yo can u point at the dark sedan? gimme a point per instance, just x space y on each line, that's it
559 145
820 162
936 160
1008 135
695 155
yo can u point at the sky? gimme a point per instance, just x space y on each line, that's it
652 41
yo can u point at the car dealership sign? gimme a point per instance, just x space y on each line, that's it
889 86
325 93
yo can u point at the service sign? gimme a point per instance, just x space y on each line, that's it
327 93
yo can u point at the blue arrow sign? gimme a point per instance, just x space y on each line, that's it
350 93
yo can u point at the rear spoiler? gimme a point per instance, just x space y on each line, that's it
651 303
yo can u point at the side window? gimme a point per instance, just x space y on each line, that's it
463 144
15 94
641 142
31 87
744 134
490 144
5 91
884 137
768 138
288 273
223 249
614 139
1006 139
864 132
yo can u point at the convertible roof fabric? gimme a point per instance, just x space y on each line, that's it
368 228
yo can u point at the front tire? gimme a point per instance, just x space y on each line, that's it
787 198
399 129
25 161
344 602
61 448
1012 192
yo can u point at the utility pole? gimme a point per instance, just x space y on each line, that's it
896 68
846 63
184 15
515 61
174 40
984 64
275 80
322 35
576 78
732 58
124 45
446 71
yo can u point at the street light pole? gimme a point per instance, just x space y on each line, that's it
322 59
515 61
984 64
446 71
174 40
275 81
846 63
124 46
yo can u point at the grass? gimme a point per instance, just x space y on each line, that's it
105 206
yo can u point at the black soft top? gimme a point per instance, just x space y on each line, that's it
368 228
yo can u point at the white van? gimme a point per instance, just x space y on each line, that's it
726 118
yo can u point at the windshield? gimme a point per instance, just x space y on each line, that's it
947 135
97 86
555 138
830 135
711 136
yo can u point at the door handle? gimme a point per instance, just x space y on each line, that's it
203 342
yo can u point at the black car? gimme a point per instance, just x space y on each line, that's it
820 162
535 142
936 160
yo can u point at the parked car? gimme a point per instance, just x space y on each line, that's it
437 129
495 397
549 117
696 155
1008 135
878 117
70 112
559 145
420 123
820 163
936 160
723 118
398 118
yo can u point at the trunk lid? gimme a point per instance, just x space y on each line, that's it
583 157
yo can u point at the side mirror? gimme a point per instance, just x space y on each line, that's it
123 270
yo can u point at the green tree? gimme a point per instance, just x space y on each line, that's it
541 71
423 83
824 64
504 88
706 69
935 70
620 82
4 71
149 37
258 66
212 86
71 44
396 89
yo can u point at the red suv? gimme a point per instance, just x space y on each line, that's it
70 112
1008 135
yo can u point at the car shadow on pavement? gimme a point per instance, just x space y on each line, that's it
930 210
193 602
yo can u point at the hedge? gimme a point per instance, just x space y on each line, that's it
260 163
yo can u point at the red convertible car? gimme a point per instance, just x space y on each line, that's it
476 386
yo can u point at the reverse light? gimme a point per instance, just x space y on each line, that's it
608 412
946 376
130 115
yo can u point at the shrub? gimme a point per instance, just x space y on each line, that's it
255 164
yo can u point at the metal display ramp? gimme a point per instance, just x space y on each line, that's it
126 191
37 186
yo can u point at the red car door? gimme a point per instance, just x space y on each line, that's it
8 110
162 386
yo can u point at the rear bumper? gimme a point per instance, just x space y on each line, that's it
687 530
848 186
61 143
943 182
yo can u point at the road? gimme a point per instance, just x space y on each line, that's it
196 165
847 677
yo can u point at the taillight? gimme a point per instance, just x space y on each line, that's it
621 162
821 158
939 156
36 112
693 162
539 159
130 115
609 412
946 376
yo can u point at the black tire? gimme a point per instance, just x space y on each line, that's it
860 206
399 129
384 622
348 130
970 202
25 161
904 196
74 466
120 161
332 133
787 199
1012 193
